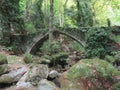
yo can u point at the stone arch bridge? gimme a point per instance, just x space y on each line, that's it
75 34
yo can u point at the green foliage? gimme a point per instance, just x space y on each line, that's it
117 58
76 46
55 59
22 6
10 48
85 14
59 58
3 59
53 54
28 58
50 48
110 59
11 16
116 86
117 38
97 40
34 13
29 27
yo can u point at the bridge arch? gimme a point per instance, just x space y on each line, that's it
39 39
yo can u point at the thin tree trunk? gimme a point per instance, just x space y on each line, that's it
51 20
1 1
45 12
64 7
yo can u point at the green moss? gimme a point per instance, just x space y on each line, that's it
110 59
28 58
59 56
117 38
13 59
92 68
3 59
116 86
117 56
3 69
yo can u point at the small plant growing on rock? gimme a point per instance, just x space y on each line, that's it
3 59
28 58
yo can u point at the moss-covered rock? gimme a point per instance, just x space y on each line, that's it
36 73
3 59
95 74
110 59
3 69
28 58
116 86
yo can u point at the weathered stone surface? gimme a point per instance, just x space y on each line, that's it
25 86
22 84
36 73
53 74
13 76
3 69
46 85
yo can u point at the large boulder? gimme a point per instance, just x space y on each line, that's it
46 85
36 73
53 74
90 74
13 76
25 86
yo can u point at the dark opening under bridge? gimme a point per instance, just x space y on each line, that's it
73 33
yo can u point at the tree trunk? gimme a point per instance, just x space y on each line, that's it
1 2
45 12
51 20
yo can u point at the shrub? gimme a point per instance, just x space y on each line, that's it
76 46
97 43
3 59
50 48
28 58
117 58
53 54
110 59
30 28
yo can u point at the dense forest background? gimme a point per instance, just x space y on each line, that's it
73 44
33 14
